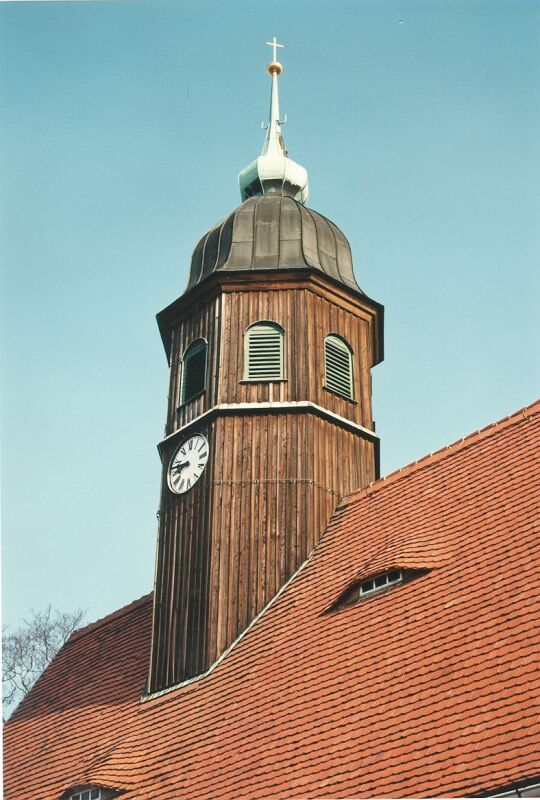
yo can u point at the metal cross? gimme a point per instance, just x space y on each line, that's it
274 44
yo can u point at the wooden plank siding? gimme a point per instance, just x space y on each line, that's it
273 477
306 318
203 323
251 520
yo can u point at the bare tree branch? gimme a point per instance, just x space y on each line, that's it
28 650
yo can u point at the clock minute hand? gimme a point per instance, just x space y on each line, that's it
180 467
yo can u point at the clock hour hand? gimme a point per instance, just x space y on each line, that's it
180 467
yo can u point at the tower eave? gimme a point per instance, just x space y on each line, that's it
185 305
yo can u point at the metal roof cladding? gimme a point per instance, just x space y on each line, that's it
272 229
272 232
273 172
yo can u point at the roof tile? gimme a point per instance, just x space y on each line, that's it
427 689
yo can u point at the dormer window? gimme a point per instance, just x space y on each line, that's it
194 366
88 794
380 582
263 352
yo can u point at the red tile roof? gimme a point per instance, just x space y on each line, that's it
427 689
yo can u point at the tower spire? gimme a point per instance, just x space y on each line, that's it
273 142
274 172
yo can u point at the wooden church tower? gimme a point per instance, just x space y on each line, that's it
269 416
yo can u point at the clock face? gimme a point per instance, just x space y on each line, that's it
187 464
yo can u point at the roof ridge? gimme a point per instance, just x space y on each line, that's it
113 616
443 452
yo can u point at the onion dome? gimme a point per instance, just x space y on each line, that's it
273 172
273 233
272 230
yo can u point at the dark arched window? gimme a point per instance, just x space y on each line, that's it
338 367
194 370
263 352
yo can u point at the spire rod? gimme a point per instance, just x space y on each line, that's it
273 143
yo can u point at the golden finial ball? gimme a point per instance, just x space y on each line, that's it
274 68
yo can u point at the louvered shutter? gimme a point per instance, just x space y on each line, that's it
194 370
338 367
264 352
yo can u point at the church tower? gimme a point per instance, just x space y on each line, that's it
269 418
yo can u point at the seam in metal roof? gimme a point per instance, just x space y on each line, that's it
273 233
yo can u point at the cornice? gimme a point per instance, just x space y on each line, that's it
238 409
272 280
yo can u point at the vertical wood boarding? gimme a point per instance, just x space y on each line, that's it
272 481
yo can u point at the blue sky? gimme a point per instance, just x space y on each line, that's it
124 126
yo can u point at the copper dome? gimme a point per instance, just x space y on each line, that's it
273 232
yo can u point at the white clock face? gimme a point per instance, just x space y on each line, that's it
187 464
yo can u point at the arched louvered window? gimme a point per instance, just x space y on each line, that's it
263 352
194 370
338 367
